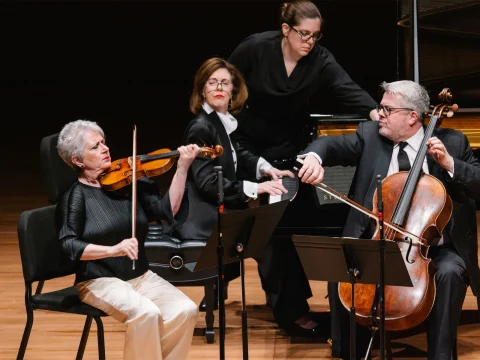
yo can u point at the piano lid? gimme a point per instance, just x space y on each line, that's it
449 55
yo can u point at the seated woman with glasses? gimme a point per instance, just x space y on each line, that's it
219 91
283 69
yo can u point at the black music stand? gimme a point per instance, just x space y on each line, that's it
353 261
245 234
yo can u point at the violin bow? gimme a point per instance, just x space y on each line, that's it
134 186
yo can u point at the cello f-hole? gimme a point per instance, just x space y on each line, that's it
408 251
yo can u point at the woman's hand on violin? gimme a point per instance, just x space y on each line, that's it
311 172
271 187
440 153
128 247
188 153
274 173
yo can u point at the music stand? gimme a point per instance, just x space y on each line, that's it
353 261
245 234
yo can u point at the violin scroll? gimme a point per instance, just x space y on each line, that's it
211 152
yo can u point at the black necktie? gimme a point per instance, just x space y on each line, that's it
403 162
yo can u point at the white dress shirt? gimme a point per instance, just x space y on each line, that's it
230 124
411 149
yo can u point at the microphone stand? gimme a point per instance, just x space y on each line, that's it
220 275
381 245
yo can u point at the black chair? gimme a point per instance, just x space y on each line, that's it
57 175
174 259
170 258
42 259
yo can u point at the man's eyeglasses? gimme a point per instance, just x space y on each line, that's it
388 110
306 37
214 84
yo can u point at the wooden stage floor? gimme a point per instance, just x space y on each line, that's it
56 336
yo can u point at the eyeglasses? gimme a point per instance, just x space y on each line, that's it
388 110
306 37
214 84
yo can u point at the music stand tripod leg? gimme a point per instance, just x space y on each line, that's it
354 274
241 256
373 326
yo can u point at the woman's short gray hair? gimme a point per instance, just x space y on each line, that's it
71 141
414 95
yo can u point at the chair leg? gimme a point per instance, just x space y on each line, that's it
209 317
454 349
388 345
478 307
39 287
83 341
26 334
101 338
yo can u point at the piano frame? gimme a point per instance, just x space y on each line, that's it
467 121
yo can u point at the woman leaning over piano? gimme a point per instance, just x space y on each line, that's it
218 92
283 70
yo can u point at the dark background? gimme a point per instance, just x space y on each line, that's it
130 62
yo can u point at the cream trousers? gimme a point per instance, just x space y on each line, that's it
160 318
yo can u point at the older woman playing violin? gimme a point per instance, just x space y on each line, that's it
95 230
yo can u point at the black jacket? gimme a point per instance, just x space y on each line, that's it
202 184
371 153
278 104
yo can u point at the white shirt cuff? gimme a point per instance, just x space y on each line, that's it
262 167
250 189
310 153
451 172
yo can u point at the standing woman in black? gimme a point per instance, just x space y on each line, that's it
283 69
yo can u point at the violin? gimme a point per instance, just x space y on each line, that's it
416 211
155 163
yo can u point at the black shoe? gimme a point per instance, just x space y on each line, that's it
203 305
295 330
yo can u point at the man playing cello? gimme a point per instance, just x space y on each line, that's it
386 147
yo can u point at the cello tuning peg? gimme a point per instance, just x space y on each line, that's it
452 110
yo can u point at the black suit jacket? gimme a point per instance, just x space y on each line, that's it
371 153
202 183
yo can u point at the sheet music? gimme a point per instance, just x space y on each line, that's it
291 184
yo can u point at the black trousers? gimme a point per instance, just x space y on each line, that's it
442 322
281 272
284 280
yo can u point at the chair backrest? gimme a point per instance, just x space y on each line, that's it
42 257
58 175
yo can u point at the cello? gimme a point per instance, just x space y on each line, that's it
417 209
